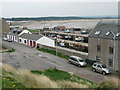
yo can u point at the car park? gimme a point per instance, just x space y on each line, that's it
77 61
101 68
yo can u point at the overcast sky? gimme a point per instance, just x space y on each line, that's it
24 9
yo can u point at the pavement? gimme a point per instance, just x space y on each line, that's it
29 58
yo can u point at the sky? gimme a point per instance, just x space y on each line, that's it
60 8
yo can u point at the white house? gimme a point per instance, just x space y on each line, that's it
33 40
46 41
25 31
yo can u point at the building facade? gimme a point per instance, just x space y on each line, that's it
103 44
4 27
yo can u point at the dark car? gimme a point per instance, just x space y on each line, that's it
9 40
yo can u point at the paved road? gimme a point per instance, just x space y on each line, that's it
29 58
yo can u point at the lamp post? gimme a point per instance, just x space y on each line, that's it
114 51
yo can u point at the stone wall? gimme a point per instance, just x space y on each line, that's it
65 51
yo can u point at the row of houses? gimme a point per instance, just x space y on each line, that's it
27 38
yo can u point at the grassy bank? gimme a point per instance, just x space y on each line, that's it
51 78
58 75
54 53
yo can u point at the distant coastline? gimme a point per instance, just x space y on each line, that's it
55 18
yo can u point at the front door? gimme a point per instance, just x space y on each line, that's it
31 43
34 44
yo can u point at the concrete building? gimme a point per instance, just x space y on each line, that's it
104 43
4 27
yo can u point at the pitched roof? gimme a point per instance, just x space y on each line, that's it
31 36
106 30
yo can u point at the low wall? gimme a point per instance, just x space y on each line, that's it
65 51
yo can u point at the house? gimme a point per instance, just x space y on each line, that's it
33 40
25 31
61 28
4 27
104 43
15 33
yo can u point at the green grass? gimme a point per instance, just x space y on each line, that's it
33 30
11 50
54 53
58 75
9 82
50 78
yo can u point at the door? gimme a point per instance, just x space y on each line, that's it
34 44
75 61
99 68
31 43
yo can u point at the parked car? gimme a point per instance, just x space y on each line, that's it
77 61
9 40
4 39
84 32
101 68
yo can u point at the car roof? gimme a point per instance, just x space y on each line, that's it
98 63
76 57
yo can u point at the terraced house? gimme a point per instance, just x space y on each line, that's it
104 43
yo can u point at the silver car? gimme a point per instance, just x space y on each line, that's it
77 61
101 68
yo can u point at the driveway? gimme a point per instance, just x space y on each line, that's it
31 59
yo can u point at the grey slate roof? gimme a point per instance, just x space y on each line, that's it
104 27
31 36
13 34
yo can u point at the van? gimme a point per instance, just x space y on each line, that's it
77 61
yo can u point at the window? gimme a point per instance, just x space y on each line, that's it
111 62
97 58
24 41
99 66
97 32
20 40
107 33
111 50
98 48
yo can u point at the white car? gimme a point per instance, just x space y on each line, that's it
101 68
77 61
4 39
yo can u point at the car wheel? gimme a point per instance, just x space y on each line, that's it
93 70
104 73
70 62
79 65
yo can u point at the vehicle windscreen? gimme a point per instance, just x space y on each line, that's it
81 60
104 66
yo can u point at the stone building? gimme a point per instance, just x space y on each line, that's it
103 45
4 27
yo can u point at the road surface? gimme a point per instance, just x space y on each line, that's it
31 59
